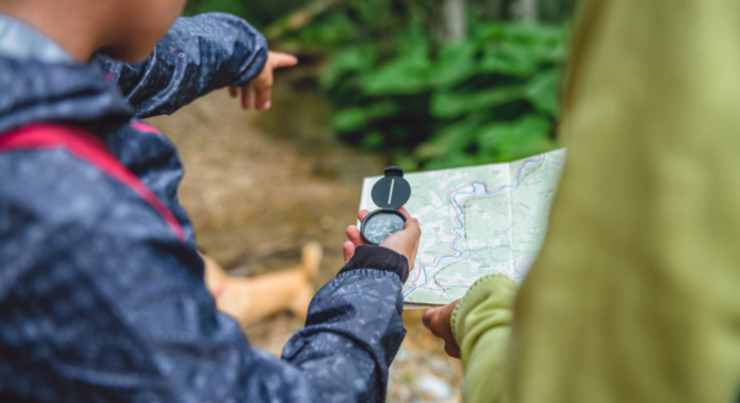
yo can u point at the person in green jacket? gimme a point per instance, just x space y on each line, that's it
635 296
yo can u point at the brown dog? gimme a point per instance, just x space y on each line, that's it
249 299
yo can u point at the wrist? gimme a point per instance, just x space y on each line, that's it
380 258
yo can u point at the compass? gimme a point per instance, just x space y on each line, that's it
389 193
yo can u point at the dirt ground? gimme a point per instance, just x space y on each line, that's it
259 185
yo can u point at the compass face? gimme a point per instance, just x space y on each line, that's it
381 224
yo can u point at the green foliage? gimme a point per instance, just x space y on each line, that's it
227 6
492 98
396 88
258 13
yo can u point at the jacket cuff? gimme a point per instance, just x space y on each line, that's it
478 292
380 258
255 60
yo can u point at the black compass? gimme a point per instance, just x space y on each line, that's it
389 193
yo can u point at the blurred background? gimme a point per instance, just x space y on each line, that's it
423 84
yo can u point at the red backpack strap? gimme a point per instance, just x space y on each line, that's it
144 127
91 149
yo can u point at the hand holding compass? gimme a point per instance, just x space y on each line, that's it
391 227
389 193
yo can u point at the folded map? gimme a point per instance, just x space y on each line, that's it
476 221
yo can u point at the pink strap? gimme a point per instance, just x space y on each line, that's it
92 150
144 127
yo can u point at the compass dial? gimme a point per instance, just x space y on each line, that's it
381 224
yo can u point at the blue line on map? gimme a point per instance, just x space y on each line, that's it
458 219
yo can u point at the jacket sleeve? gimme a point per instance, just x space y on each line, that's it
198 55
353 329
101 318
481 323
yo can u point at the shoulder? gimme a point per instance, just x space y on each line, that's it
45 190
60 215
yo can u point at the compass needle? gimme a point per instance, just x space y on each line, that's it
390 193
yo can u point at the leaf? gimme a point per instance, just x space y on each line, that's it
406 75
523 32
452 139
414 40
350 60
543 91
226 6
348 120
512 140
456 63
489 31
454 104
325 32
534 146
454 161
355 119
519 49
373 141
407 161
509 59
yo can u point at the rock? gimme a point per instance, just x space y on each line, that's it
402 355
438 365
434 386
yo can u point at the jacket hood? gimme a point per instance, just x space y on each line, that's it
32 91
35 87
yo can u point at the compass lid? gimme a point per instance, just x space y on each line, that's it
391 191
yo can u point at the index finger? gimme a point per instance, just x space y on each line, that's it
281 60
362 214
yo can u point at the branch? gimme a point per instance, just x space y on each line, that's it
299 19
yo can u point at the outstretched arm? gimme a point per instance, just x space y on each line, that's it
198 55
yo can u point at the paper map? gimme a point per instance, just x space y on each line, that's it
475 221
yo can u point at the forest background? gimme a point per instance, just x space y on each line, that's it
427 83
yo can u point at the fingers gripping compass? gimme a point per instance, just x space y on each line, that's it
389 193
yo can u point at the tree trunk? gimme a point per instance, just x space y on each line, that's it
494 9
527 10
556 11
455 24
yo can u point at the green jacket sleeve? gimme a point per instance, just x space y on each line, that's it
635 296
481 324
